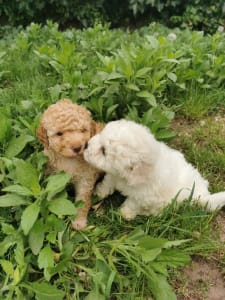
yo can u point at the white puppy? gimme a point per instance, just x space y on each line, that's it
146 171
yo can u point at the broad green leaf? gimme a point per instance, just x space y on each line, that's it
165 134
18 189
160 288
29 217
170 244
16 276
151 100
45 291
46 258
151 243
27 176
149 255
142 72
7 266
57 66
174 258
5 127
62 207
36 237
114 75
171 60
17 144
8 229
56 183
12 200
96 90
132 87
8 242
172 76
145 94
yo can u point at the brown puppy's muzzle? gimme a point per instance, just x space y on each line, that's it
77 150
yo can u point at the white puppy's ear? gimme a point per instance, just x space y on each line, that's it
138 174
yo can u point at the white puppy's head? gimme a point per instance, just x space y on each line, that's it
124 149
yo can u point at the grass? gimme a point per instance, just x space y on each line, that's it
140 75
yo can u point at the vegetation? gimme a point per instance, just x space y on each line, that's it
197 14
146 75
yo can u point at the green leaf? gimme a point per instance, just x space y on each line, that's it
57 66
12 200
151 243
132 87
149 255
62 207
18 189
5 127
46 258
151 100
165 134
17 144
6 244
45 291
27 176
29 217
142 72
145 94
36 236
7 266
172 76
56 183
174 258
170 244
114 75
160 288
8 229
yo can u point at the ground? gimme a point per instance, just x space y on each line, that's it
204 279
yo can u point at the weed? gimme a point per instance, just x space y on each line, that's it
140 75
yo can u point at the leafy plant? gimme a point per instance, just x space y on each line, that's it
141 75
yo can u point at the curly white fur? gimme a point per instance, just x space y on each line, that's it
148 172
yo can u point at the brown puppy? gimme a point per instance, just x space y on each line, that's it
65 129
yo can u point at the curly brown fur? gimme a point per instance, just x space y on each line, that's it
65 129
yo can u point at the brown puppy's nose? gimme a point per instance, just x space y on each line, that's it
77 149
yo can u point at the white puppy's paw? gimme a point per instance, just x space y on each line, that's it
100 191
127 213
79 223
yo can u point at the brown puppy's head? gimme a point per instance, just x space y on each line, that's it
66 128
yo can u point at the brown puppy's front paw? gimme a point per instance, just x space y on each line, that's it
79 223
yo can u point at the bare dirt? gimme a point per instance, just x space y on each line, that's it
204 279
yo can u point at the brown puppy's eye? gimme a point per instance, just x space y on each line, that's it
83 130
103 150
59 133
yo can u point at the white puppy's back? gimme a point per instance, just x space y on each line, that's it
148 172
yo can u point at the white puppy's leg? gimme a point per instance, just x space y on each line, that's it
106 187
129 209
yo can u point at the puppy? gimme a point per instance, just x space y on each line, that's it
146 171
65 129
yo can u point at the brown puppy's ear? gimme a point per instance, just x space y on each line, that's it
42 135
96 127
